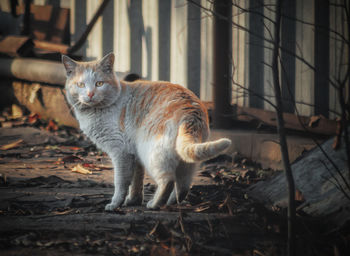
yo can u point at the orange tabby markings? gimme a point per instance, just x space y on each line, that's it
122 120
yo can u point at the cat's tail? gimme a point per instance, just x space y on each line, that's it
192 150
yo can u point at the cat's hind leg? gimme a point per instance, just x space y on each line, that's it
135 194
184 175
165 184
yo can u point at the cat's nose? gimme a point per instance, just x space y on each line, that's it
91 94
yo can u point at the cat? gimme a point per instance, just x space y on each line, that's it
158 127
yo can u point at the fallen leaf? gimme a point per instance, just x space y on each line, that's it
337 139
313 122
11 145
16 111
74 148
202 208
33 118
51 126
87 165
80 169
299 196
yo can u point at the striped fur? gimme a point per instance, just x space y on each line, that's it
158 127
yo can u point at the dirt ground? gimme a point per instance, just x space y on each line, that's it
47 209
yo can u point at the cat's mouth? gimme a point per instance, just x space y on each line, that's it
90 103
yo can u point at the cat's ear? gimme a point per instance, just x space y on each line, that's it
107 63
69 64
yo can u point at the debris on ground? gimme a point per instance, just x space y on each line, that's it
46 209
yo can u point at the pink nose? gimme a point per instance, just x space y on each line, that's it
91 94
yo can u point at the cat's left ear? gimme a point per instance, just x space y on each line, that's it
107 63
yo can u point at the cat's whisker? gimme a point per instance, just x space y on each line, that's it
71 108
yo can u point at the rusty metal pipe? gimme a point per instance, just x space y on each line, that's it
88 29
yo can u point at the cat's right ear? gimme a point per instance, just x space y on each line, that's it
69 64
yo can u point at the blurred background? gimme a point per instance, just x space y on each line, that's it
174 40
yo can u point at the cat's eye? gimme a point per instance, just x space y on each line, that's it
99 83
81 85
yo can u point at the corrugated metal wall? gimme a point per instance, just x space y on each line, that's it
172 40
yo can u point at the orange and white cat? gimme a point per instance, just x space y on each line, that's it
158 127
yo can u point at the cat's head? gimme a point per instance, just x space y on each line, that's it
91 84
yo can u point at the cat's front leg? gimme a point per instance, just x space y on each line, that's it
123 172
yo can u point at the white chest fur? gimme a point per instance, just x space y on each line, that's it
101 126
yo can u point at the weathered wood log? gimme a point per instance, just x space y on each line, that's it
44 71
47 101
316 181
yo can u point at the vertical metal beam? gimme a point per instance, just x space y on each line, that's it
164 14
108 28
288 41
136 33
256 54
194 47
26 19
321 57
222 62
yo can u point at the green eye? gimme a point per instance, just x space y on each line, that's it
81 85
99 83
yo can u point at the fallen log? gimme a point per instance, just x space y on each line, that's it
35 70
318 186
47 101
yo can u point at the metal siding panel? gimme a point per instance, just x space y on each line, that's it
122 35
304 89
206 74
178 61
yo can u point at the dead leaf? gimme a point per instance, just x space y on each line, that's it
16 111
51 126
313 121
33 118
202 208
11 145
258 253
87 165
56 213
337 139
299 196
80 169
74 148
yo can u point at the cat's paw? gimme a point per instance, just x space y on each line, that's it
152 206
110 207
133 201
